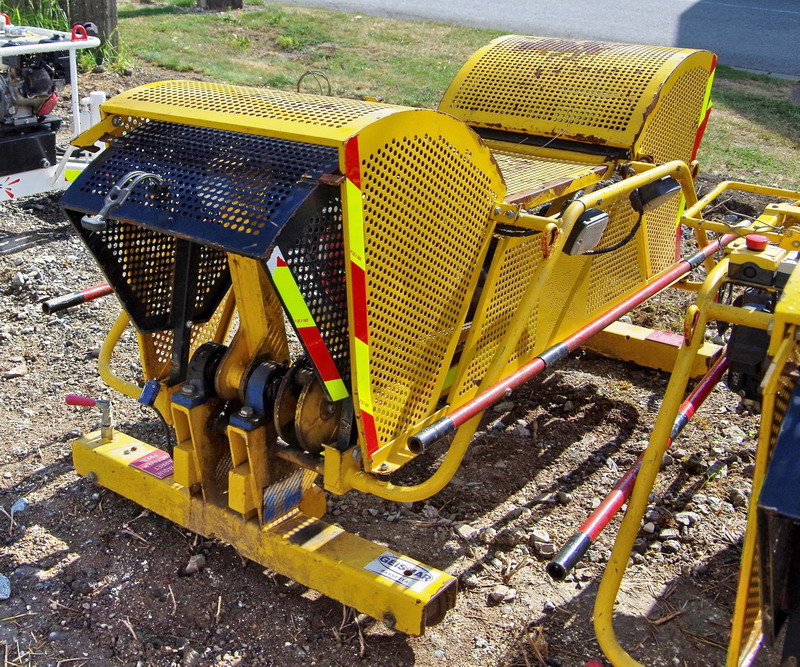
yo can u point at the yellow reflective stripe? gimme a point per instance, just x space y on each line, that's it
355 222
336 389
71 174
290 293
362 376
706 98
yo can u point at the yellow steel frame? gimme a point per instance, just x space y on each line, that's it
316 554
435 175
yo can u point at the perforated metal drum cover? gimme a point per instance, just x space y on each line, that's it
227 189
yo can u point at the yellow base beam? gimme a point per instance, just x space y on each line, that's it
648 348
406 594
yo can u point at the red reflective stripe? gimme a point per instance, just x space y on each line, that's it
318 351
359 302
700 132
280 261
97 291
713 62
370 432
352 162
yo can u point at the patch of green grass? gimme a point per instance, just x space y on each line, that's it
46 14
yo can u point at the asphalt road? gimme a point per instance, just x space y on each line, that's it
761 36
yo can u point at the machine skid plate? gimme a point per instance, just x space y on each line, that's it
404 593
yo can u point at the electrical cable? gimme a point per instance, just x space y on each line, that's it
623 242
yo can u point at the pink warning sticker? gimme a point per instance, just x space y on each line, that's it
676 340
157 463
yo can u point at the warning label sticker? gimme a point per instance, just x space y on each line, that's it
401 571
157 463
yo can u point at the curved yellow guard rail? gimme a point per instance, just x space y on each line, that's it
104 359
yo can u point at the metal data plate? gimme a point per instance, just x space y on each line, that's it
225 189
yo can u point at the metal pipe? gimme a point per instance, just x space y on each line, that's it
577 546
76 298
299 457
695 324
448 424
104 360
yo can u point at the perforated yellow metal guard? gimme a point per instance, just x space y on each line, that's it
265 111
420 191
592 92
534 180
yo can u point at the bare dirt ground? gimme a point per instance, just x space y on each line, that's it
97 581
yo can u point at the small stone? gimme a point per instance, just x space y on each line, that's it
668 534
749 469
504 406
510 538
18 370
548 606
563 497
466 532
649 527
671 546
502 593
522 431
98 69
735 434
471 581
687 518
196 563
6 475
626 319
569 406
497 425
57 636
127 72
738 498
487 535
17 281
19 506
667 460
640 546
5 587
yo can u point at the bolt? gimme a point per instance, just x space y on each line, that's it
91 477
509 213
328 409
188 390
116 121
246 411
498 210
383 466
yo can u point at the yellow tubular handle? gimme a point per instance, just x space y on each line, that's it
104 359
612 577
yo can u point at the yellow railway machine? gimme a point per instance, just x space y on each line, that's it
322 287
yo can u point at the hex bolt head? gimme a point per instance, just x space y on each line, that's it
246 411
188 390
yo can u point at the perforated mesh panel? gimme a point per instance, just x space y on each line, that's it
669 136
584 90
228 189
313 247
421 252
518 264
140 265
158 345
253 102
615 273
531 179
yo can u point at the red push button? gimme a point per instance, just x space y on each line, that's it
756 241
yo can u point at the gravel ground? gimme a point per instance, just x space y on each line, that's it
95 580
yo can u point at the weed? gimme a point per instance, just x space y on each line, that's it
46 14
240 41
